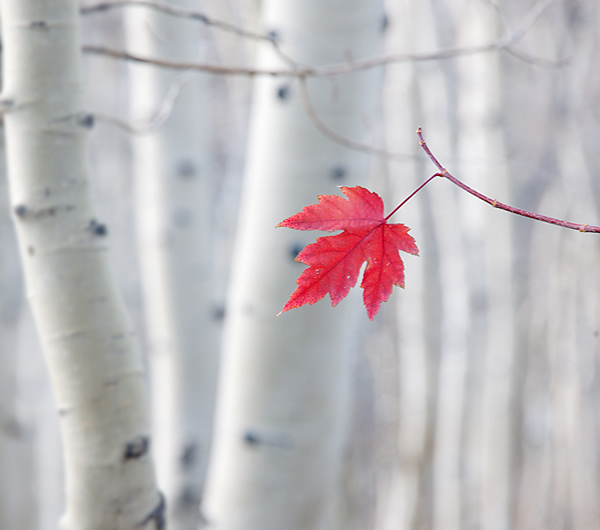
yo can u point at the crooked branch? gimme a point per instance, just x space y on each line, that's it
443 172
506 41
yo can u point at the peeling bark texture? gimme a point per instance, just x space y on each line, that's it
89 346
173 169
284 395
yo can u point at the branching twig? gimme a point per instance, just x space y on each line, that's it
443 172
158 117
176 12
337 137
508 39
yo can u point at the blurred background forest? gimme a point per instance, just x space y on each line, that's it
473 396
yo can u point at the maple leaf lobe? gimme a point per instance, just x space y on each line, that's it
335 261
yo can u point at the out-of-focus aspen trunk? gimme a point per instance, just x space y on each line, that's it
407 505
16 488
490 407
560 409
514 425
447 288
173 171
285 381
88 342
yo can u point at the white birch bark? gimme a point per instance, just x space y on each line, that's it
284 394
88 342
17 503
407 503
448 308
491 413
173 171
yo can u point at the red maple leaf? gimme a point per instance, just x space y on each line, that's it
335 261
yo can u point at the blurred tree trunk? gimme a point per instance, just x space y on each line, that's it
489 431
17 503
174 168
513 431
90 350
285 381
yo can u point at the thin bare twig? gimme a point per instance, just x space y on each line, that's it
158 117
507 40
523 28
443 172
176 12
337 137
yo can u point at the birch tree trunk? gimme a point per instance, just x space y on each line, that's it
285 381
88 342
173 170
491 413
16 490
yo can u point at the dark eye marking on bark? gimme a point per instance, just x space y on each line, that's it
295 249
283 92
274 35
218 312
40 24
188 455
20 210
97 229
87 120
187 169
385 22
188 499
338 172
136 448
251 438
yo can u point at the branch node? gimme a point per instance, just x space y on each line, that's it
582 229
136 448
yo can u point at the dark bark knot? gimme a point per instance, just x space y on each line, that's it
86 120
187 169
254 439
338 172
385 22
218 312
97 229
295 249
136 448
251 438
188 500
38 24
20 210
283 92
189 456
274 35
23 212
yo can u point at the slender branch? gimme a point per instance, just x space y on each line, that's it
337 137
507 40
157 118
101 7
443 172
